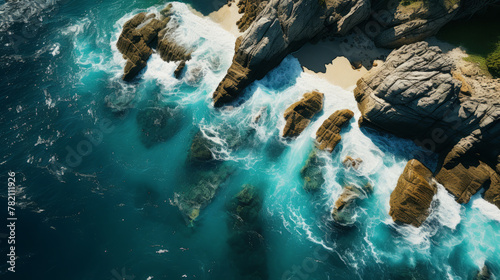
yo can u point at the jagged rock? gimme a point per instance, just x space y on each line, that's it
351 162
414 95
299 114
169 50
201 148
135 42
248 250
412 197
463 174
157 125
250 9
328 135
282 27
194 197
144 32
311 172
345 205
179 69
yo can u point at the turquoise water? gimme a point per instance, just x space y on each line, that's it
109 215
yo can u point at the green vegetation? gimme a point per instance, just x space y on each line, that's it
493 61
479 60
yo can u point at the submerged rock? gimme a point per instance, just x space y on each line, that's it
328 135
299 114
194 197
483 274
248 250
201 148
157 125
312 172
411 199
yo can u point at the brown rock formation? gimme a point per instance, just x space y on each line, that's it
139 37
135 42
299 114
351 162
414 95
328 135
250 9
412 197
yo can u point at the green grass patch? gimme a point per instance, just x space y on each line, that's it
479 61
493 62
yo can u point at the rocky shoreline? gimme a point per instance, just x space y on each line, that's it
419 92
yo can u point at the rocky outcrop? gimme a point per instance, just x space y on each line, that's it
414 95
299 114
144 32
282 27
250 9
463 174
312 173
409 23
412 197
136 42
345 206
328 135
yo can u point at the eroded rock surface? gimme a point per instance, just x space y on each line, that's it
281 27
299 114
328 135
414 95
411 199
145 32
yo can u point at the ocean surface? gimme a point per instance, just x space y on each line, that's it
108 214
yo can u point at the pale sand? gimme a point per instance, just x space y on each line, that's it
330 59
226 17
340 73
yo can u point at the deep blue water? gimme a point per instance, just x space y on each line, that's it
108 215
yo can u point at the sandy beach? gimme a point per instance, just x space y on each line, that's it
331 59
227 16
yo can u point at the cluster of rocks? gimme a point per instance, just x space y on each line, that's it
415 95
157 124
145 32
276 28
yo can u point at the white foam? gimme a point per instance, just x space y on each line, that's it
487 209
